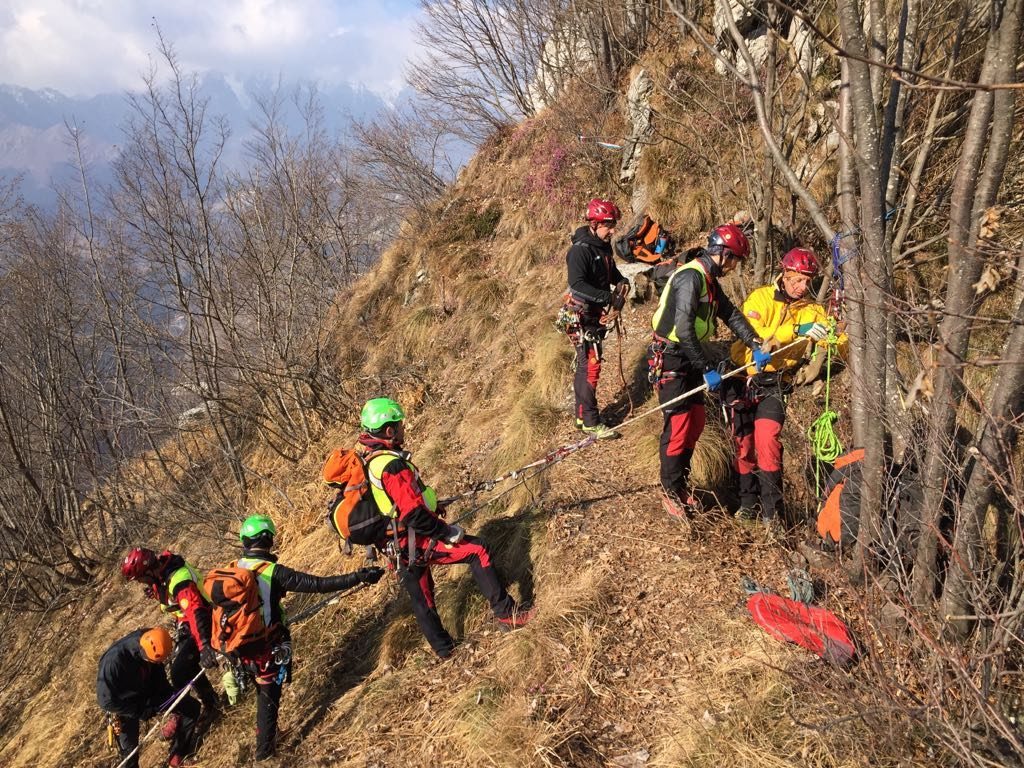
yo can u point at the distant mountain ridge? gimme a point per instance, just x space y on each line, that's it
35 142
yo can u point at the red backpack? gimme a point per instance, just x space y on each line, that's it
353 513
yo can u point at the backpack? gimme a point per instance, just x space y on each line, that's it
237 608
648 242
839 515
353 513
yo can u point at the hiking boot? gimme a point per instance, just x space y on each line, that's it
747 513
601 432
170 728
579 423
519 618
212 710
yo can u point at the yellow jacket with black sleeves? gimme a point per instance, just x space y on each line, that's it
776 317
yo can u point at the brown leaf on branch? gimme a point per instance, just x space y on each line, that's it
989 281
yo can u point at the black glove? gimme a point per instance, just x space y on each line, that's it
208 658
182 633
618 300
149 712
370 575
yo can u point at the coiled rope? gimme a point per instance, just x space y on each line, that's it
825 444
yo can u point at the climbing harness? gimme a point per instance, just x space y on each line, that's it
160 720
656 360
568 320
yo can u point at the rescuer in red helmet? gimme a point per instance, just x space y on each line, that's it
690 304
595 287
178 587
780 312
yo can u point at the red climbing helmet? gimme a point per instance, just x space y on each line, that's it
600 211
138 562
801 260
729 237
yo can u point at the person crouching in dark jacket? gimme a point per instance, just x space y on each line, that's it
131 685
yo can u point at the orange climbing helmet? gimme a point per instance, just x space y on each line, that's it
156 644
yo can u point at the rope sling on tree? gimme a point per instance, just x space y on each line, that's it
159 721
825 444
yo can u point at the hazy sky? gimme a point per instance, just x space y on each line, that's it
83 47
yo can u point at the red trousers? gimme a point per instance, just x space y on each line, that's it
419 583
756 418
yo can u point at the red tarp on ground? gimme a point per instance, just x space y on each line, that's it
810 627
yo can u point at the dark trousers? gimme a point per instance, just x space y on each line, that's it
268 702
185 666
270 679
128 739
584 384
181 744
419 583
756 416
683 425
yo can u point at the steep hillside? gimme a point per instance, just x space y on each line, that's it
641 653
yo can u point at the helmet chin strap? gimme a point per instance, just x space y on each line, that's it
716 263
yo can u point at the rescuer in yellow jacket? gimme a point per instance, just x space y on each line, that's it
780 312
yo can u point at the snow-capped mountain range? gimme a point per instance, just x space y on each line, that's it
36 125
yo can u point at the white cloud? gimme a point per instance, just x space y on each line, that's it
83 47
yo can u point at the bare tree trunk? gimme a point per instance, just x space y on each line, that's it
996 444
849 211
872 276
974 191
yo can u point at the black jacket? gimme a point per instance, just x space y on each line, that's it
284 579
681 309
127 683
592 270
